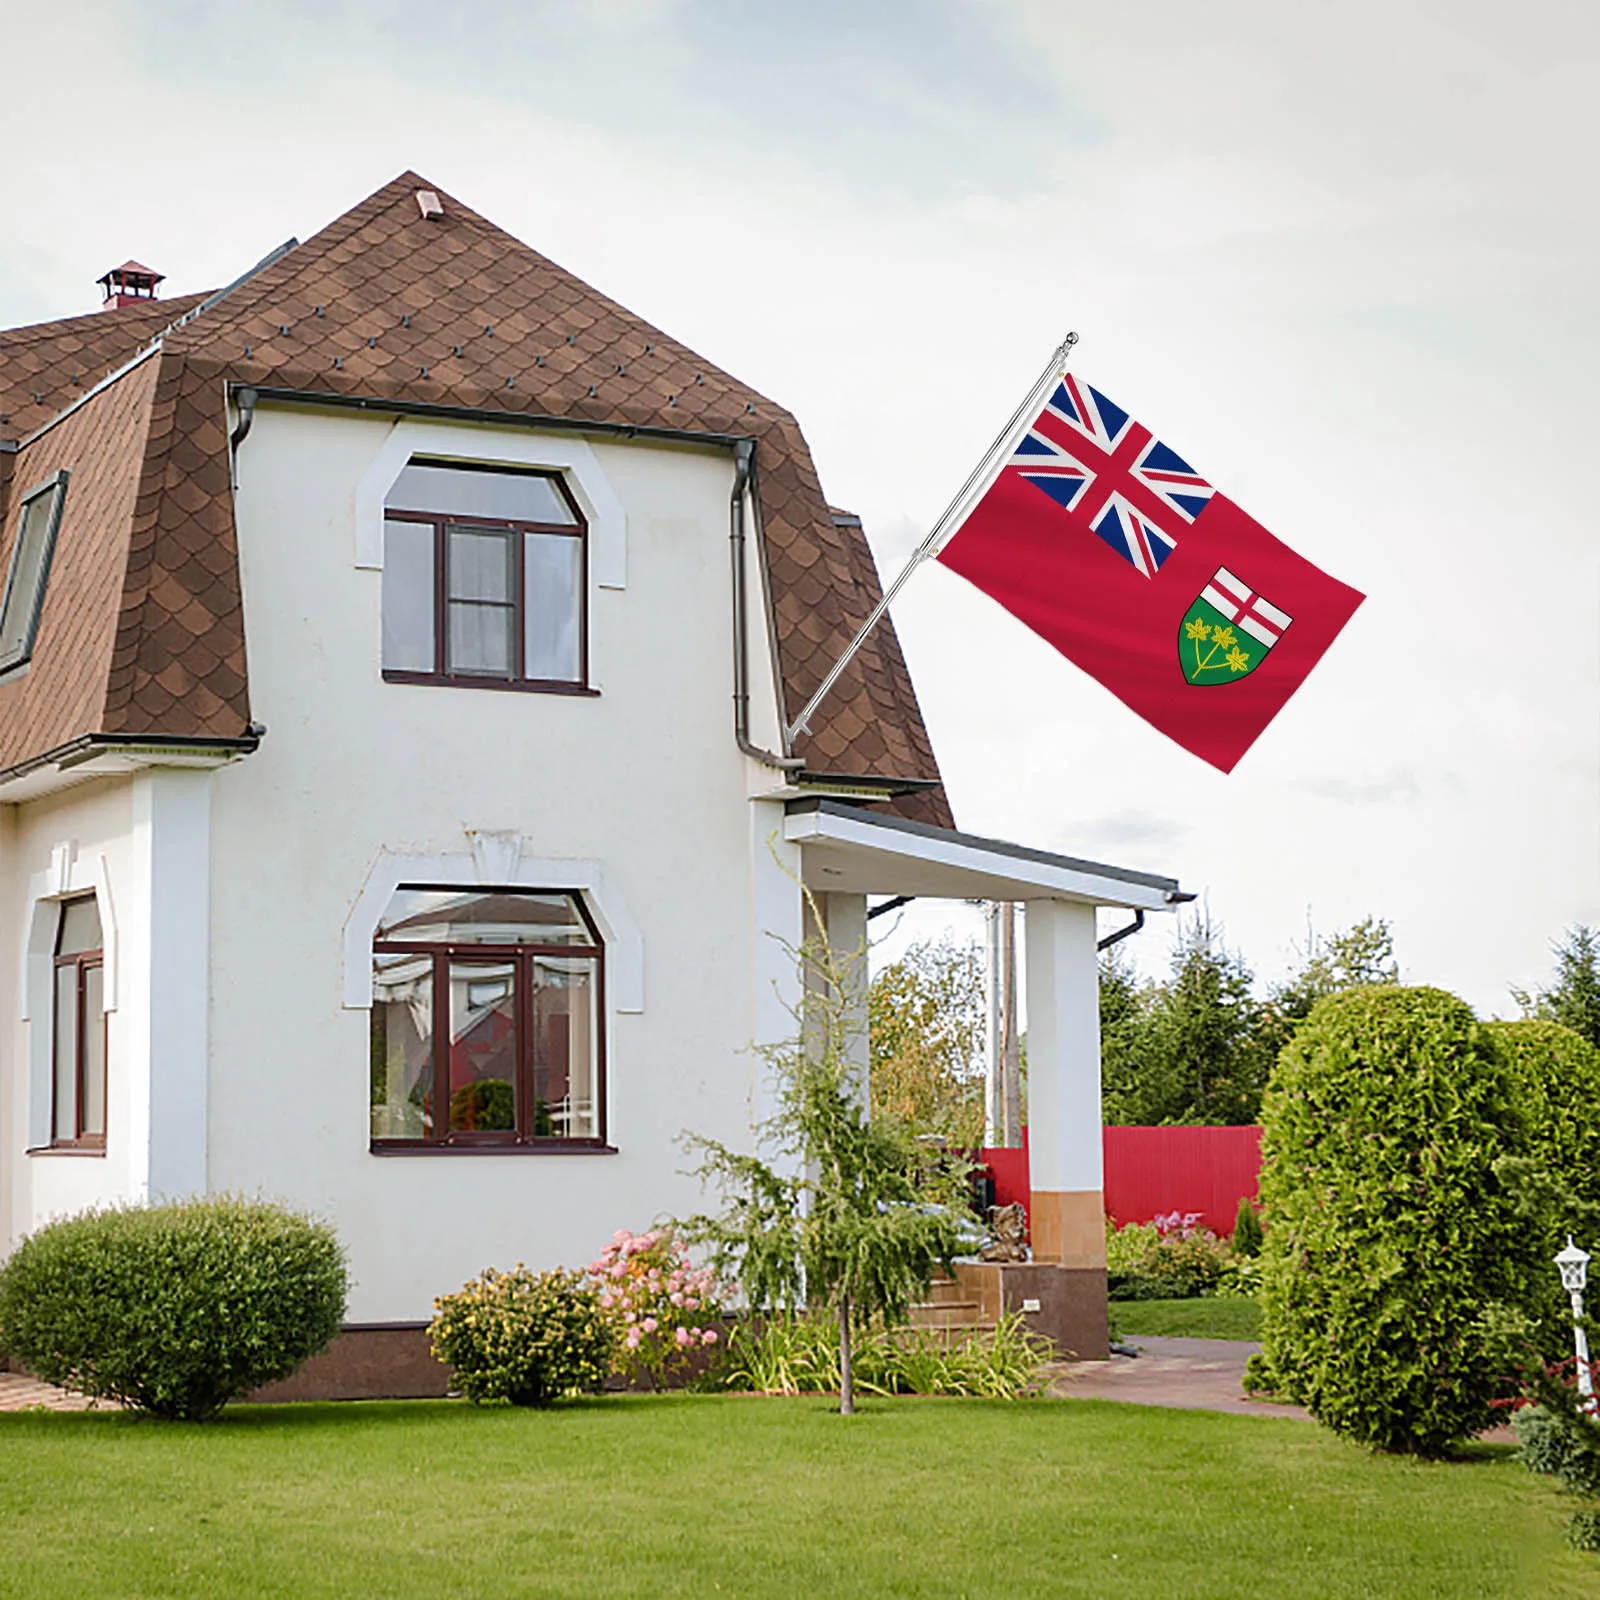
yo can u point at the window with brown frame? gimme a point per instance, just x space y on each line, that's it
485 573
486 1022
78 1112
28 571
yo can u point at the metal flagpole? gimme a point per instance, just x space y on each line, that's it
980 474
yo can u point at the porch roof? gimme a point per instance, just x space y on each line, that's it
847 849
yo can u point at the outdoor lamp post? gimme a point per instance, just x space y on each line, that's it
1574 1265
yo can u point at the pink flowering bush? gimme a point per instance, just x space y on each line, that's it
1186 1259
665 1308
1171 1257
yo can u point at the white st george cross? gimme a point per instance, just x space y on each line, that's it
1245 609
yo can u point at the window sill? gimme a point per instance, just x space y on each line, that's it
488 1147
66 1150
515 685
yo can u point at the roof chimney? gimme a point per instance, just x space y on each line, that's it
128 285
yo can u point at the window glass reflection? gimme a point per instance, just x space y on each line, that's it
496 495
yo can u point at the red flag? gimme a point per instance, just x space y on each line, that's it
1114 550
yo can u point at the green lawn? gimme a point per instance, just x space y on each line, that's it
1216 1317
679 1495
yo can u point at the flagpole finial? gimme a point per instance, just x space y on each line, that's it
1071 339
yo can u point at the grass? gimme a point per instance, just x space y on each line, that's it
1215 1317
679 1495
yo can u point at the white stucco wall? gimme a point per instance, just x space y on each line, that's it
79 840
643 782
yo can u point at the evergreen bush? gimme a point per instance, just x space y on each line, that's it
524 1338
1557 1076
1388 1232
173 1309
1247 1237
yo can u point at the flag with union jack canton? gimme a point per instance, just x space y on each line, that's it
1108 544
1084 451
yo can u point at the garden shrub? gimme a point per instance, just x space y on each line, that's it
1247 1236
664 1306
1557 1078
173 1309
1186 1260
1127 1246
524 1338
1387 1230
1168 1258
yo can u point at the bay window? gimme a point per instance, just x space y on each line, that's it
486 1032
484 579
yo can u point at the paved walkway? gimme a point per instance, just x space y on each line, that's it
19 1393
1188 1374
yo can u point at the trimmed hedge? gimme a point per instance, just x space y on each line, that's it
524 1338
1557 1077
173 1309
1387 1231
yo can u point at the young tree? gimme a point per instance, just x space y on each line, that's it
1573 999
849 1220
1362 954
1187 1050
925 1016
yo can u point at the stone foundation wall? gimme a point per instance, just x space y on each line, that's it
371 1361
1071 1302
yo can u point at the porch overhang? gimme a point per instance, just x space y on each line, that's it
846 849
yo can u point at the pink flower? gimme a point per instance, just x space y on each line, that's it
650 1324
619 1271
709 1336
682 1336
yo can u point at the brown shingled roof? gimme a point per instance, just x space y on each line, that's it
447 312
47 366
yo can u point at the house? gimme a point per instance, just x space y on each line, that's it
398 808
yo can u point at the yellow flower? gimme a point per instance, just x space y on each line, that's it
1223 638
1238 660
1196 629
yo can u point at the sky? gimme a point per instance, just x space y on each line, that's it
1340 256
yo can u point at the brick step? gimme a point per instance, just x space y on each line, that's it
947 1291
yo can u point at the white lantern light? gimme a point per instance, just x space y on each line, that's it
1574 1265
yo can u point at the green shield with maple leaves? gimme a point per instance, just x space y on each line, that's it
1212 649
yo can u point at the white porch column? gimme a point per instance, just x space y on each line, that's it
847 938
169 980
1064 1133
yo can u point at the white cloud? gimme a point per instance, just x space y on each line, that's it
1333 254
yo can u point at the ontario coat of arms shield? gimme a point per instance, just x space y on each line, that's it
1226 634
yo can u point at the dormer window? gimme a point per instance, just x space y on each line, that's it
29 570
484 579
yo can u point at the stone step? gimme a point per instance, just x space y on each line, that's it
950 1314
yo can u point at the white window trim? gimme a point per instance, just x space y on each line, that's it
477 445
496 861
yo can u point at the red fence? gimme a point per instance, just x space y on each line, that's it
1154 1170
